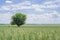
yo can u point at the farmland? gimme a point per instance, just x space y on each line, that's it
30 32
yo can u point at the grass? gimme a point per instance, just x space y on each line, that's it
30 32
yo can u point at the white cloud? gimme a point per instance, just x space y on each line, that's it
46 18
50 5
17 7
37 19
29 5
42 19
20 6
25 3
32 18
8 1
5 18
37 7
57 0
6 8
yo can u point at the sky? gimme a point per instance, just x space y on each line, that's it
37 11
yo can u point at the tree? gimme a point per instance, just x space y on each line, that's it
18 19
12 23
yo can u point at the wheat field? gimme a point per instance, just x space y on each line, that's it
30 32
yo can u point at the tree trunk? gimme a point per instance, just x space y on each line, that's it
18 25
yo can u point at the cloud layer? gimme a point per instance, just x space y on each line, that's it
45 13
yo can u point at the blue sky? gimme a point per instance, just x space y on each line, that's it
37 11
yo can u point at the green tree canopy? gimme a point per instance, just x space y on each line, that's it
18 19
